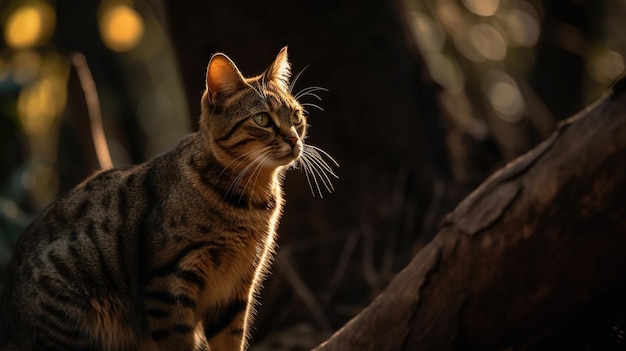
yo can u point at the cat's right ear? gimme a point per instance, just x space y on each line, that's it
222 78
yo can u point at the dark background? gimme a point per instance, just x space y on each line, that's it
426 99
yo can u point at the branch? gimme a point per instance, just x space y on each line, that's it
519 256
93 107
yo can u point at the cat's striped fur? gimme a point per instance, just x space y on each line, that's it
169 254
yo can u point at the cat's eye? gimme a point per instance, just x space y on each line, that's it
296 119
262 119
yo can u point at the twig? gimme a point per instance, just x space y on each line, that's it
369 270
285 266
342 266
398 206
93 107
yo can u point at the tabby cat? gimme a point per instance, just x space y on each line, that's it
169 254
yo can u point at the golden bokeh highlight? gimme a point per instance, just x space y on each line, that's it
449 13
429 35
121 27
488 41
605 66
42 180
40 103
446 71
482 7
26 66
29 25
504 95
522 28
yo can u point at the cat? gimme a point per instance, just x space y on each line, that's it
168 254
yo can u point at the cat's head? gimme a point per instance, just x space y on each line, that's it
254 119
256 124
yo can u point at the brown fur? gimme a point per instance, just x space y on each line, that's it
169 254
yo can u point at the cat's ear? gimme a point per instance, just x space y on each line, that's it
222 77
280 70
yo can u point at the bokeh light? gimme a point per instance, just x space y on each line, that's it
504 96
446 71
26 66
429 36
482 7
488 41
449 13
29 25
152 44
121 27
42 179
605 66
40 103
522 28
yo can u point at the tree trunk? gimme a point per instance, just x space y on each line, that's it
527 251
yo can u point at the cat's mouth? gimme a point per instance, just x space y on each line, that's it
287 155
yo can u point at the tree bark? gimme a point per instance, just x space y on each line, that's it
524 253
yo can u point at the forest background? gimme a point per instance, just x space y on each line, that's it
425 100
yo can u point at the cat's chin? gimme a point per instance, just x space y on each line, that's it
285 160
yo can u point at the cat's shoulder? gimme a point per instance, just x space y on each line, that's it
105 177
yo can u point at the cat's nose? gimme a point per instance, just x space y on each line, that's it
291 141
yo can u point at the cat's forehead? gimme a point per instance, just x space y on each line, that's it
259 97
275 98
281 102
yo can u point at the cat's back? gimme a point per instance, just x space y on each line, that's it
78 236
81 254
107 204
96 203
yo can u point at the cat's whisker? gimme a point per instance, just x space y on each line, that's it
323 175
257 161
319 98
256 173
316 168
241 176
318 158
311 94
323 178
261 161
323 152
293 82
306 173
312 105
243 191
239 159
264 87
252 157
308 169
309 91
259 91
265 161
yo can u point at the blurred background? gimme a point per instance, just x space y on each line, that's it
426 99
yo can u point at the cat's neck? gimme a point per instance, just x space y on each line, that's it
256 185
260 190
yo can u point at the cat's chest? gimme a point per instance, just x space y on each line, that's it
230 264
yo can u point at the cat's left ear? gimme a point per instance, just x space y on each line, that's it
222 77
279 71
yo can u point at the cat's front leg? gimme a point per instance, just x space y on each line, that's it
170 321
149 344
226 330
176 337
